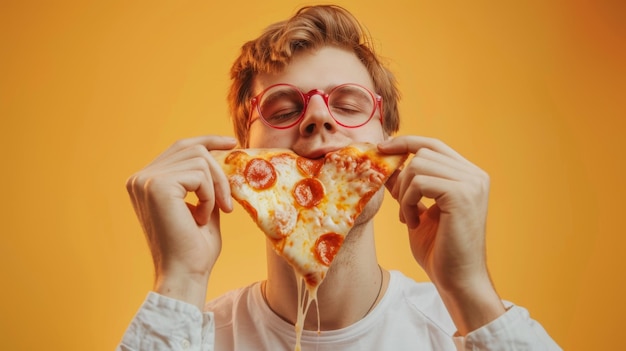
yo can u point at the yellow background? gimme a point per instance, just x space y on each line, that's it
91 91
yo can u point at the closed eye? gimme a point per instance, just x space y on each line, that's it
282 115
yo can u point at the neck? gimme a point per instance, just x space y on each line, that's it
353 285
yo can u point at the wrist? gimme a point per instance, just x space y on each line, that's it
187 288
472 304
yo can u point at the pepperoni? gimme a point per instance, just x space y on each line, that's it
311 279
235 156
308 192
326 247
309 167
260 174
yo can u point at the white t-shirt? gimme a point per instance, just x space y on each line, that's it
410 316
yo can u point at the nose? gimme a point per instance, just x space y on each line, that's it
317 117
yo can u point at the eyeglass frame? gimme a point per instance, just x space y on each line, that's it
306 97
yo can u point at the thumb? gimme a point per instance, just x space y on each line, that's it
200 212
214 220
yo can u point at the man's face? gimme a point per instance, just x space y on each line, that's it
317 133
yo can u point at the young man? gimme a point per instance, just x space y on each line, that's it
361 305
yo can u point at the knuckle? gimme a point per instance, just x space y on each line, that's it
199 163
200 149
422 153
150 185
180 144
416 181
474 189
134 183
130 182
482 181
437 143
415 167
403 202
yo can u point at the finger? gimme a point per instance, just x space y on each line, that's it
401 215
131 189
206 202
437 166
413 144
449 167
422 186
210 142
415 217
215 221
199 158
167 192
431 178
409 204
221 185
198 212
203 210
421 208
405 178
409 196
197 182
391 182
213 190
189 148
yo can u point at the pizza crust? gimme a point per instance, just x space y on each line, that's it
295 201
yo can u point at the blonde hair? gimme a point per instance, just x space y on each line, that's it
310 28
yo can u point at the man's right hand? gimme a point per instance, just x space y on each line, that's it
184 239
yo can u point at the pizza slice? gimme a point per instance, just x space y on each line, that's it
306 206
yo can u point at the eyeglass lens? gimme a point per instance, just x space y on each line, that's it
350 105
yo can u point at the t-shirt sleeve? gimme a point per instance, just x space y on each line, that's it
514 330
163 323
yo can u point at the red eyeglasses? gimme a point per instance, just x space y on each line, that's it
282 106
